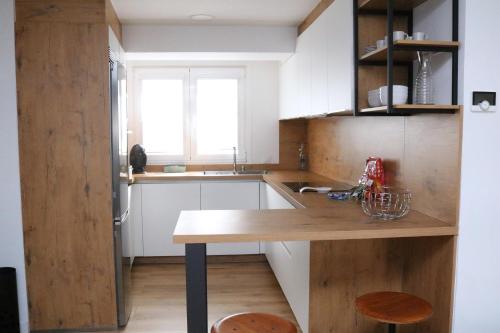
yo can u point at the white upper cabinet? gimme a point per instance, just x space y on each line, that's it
289 89
319 63
318 78
340 65
303 54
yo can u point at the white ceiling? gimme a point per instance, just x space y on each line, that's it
240 12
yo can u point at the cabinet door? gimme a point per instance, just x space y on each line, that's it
226 196
304 73
290 264
289 89
161 206
340 55
319 59
271 199
289 261
136 219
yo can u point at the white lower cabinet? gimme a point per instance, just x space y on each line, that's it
289 261
136 219
156 208
161 206
226 196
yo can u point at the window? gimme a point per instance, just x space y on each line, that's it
191 115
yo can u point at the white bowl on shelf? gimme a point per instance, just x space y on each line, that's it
399 94
374 98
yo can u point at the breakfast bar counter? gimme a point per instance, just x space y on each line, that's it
350 253
336 223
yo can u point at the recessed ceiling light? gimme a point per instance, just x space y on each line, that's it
202 17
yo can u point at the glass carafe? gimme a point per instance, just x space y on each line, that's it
423 89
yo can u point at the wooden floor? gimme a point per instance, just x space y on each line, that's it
159 295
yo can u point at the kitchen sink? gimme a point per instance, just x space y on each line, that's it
218 173
252 172
229 173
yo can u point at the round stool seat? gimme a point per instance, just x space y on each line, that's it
253 323
394 307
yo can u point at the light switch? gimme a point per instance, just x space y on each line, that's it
484 101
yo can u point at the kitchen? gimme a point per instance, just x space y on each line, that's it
260 95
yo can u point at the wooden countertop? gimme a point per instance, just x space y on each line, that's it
318 218
191 175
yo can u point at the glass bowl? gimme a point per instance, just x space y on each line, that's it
387 203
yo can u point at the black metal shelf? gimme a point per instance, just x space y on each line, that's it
408 109
405 51
401 54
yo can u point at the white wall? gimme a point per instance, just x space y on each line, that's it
477 291
11 232
261 103
185 38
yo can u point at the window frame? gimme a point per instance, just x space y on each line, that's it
163 73
237 73
189 75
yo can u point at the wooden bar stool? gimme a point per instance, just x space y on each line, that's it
253 323
394 308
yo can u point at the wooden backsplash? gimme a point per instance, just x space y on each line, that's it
421 153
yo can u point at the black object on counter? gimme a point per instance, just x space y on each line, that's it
9 310
138 159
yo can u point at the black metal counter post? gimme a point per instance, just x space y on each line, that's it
356 55
390 55
196 288
455 36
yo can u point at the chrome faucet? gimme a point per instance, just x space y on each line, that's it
302 157
234 160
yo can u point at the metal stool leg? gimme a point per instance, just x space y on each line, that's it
392 328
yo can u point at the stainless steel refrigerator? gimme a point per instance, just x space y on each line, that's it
120 180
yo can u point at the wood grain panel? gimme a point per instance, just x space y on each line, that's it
420 152
292 134
344 270
338 147
340 221
69 11
432 164
429 273
62 83
314 14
